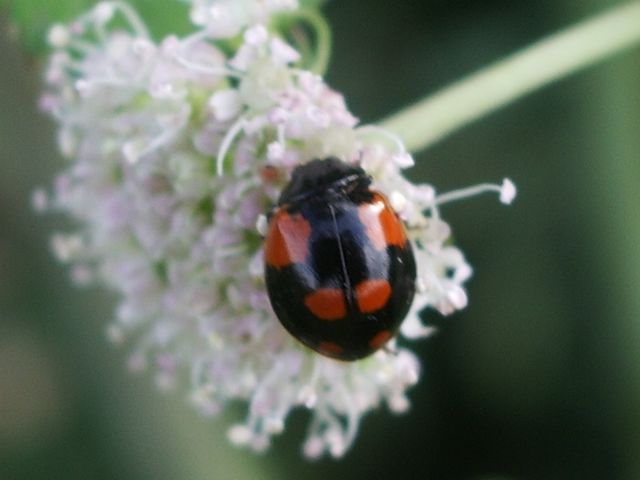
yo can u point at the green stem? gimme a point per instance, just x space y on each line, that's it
321 53
323 39
438 115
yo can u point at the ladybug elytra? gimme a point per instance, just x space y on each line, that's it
339 269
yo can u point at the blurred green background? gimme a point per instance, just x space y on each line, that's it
537 379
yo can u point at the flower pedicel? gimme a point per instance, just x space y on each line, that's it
176 151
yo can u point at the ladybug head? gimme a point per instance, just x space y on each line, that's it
323 175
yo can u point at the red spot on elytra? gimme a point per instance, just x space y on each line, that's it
327 304
383 225
372 295
330 348
379 339
287 240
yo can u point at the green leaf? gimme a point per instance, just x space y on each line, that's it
32 18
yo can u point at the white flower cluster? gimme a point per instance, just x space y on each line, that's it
175 151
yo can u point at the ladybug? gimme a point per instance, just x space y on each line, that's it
339 269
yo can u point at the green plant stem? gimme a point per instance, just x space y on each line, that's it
321 53
323 39
577 47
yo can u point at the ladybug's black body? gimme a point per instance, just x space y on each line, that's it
339 268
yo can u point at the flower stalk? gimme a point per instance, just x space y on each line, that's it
559 55
320 51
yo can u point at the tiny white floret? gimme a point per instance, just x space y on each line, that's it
58 36
507 191
225 104
262 224
398 201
